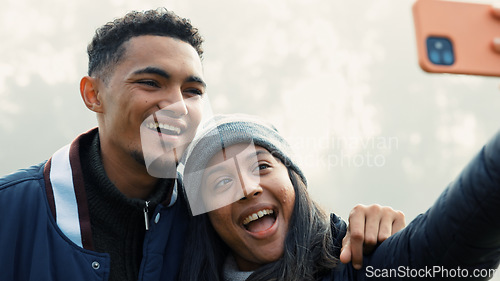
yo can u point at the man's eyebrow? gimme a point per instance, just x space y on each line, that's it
196 79
164 74
153 70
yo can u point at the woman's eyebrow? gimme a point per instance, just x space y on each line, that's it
221 167
257 153
214 169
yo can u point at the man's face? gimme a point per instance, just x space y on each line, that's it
158 84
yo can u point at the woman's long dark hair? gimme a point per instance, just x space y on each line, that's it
308 254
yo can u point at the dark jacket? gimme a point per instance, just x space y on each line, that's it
458 236
42 206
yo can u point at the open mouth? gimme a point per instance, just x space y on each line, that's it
260 221
163 128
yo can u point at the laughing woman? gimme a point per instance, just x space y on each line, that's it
257 222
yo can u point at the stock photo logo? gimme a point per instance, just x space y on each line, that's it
345 152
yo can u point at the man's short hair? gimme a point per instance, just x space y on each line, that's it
107 46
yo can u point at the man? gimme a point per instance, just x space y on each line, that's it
96 210
98 189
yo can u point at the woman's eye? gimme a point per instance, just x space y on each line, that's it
222 184
261 168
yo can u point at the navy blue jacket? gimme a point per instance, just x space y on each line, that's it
459 236
37 223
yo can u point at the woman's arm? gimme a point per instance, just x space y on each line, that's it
461 229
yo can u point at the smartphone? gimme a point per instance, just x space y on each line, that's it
456 37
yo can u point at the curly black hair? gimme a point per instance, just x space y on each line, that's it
107 46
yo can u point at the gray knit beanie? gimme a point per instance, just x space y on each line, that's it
221 132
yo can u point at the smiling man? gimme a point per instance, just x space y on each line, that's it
92 211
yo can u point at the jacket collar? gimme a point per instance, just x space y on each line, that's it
65 189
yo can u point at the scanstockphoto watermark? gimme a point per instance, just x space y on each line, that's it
350 152
428 272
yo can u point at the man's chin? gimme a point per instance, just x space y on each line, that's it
164 166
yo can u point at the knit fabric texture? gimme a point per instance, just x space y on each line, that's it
231 271
117 221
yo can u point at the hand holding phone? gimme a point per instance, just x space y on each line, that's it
457 37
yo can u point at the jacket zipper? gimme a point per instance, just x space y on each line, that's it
146 217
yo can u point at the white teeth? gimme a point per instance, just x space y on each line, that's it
155 125
257 215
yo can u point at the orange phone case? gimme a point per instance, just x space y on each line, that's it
470 27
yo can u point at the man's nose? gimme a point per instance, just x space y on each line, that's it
174 104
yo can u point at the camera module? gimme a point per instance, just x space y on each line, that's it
440 50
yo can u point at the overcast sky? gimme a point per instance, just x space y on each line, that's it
339 79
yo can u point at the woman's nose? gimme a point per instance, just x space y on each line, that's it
251 188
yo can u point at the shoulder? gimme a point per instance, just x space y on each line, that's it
22 178
22 195
338 228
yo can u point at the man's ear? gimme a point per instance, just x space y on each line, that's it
90 93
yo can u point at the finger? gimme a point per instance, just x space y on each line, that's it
385 230
495 10
399 223
346 240
345 252
373 219
357 230
496 44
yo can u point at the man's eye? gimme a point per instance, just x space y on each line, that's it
150 83
194 91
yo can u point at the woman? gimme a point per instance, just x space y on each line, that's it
310 225
261 224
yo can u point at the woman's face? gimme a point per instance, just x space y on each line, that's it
255 226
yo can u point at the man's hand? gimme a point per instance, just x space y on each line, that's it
368 225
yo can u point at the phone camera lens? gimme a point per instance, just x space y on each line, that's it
435 57
440 51
447 58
